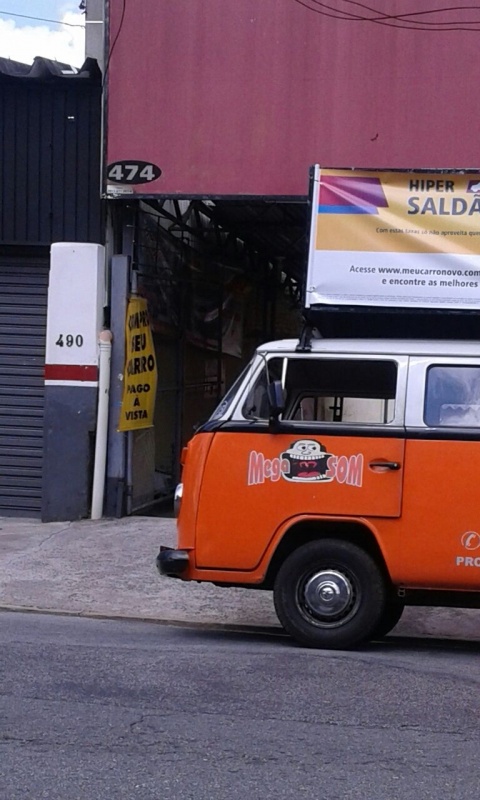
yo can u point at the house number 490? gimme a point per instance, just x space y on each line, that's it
69 340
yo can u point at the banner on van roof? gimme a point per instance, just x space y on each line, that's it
397 239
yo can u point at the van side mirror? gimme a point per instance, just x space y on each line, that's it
276 399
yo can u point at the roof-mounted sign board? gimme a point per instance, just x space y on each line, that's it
394 239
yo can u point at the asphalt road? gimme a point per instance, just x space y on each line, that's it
104 710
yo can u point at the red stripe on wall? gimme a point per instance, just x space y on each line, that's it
71 372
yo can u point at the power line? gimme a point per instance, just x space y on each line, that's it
402 20
42 19
382 18
418 13
120 26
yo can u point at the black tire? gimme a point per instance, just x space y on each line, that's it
330 594
391 617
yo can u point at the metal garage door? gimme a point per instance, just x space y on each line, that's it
23 318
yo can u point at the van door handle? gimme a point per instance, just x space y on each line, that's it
394 465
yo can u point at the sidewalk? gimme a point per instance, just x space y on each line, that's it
107 568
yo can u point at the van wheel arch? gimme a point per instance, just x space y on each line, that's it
311 530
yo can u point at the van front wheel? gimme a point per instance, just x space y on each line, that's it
330 594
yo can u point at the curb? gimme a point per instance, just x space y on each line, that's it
423 641
175 623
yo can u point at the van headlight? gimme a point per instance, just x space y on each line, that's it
177 499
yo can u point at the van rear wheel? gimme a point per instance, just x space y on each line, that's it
330 594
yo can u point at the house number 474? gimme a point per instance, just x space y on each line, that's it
69 340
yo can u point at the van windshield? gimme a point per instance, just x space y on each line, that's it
256 405
226 401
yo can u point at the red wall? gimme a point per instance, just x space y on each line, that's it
239 97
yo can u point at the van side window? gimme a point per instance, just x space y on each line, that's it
452 396
341 390
352 391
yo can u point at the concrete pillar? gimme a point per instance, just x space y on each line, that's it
75 318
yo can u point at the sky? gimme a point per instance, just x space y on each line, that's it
22 39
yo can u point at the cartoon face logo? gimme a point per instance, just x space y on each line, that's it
308 461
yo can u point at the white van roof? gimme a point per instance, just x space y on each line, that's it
400 347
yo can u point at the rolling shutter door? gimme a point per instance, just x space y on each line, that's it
23 319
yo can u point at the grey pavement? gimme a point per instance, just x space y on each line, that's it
107 568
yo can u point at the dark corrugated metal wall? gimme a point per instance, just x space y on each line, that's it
23 316
50 146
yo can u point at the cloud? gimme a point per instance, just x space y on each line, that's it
60 43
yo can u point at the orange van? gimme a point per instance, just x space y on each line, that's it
344 475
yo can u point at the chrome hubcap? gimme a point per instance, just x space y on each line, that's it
328 594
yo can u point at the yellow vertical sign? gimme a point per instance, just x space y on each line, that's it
140 376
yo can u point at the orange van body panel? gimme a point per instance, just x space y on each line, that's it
237 508
257 575
194 466
245 496
441 505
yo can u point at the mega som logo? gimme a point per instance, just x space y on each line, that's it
305 461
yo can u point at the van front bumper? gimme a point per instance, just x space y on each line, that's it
171 562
